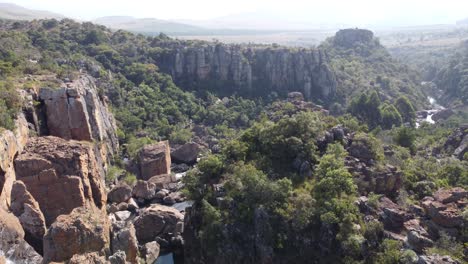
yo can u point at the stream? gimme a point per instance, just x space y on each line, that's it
427 117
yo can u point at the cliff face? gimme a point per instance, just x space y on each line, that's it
44 176
250 70
11 143
77 112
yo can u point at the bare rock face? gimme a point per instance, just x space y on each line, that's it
12 241
84 230
156 220
446 207
144 190
61 175
250 70
11 143
151 251
155 160
77 112
25 207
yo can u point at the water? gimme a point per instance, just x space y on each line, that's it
165 259
181 206
435 108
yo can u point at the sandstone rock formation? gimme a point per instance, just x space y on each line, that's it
446 207
77 112
25 207
84 230
124 239
11 143
12 242
61 175
155 160
156 220
251 70
119 194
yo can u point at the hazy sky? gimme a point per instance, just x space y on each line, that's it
355 12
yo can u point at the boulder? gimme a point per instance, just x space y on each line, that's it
161 181
25 207
450 195
418 242
150 252
120 194
61 175
88 258
119 257
122 215
12 242
442 114
124 240
187 153
84 230
392 216
155 160
156 220
144 190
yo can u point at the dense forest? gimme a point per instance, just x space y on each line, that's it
287 177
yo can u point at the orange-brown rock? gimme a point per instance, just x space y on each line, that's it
88 258
11 143
61 175
446 207
25 207
156 220
84 230
77 112
12 241
155 160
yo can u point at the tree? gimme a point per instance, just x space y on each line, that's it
390 116
406 110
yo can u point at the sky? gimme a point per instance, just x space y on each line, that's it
351 12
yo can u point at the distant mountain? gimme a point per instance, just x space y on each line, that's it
146 25
463 22
16 12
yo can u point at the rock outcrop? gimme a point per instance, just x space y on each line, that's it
26 208
61 175
124 239
155 160
77 112
12 242
84 230
249 70
187 153
157 220
11 143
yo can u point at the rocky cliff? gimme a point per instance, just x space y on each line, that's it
11 143
249 70
55 170
78 112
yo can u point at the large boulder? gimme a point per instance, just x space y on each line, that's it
78 112
12 242
120 194
61 175
88 258
187 153
150 251
25 207
156 220
84 230
155 160
124 239
144 190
